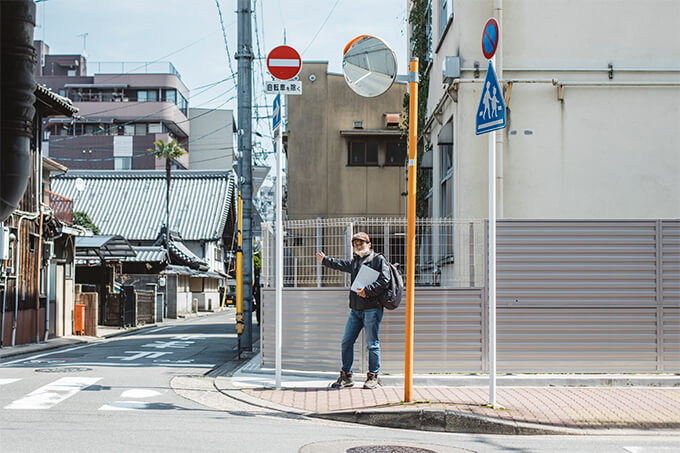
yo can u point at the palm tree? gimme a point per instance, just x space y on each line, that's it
167 151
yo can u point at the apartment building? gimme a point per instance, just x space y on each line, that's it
123 108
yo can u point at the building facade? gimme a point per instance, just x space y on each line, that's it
123 109
592 108
346 154
212 139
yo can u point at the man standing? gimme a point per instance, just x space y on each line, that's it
365 309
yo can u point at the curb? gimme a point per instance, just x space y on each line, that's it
42 347
461 422
444 421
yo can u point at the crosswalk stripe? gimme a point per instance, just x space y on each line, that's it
4 381
125 406
52 394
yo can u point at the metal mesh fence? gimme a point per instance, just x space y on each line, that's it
448 253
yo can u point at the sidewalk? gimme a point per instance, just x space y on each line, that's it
102 333
531 404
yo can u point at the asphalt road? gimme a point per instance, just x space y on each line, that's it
148 393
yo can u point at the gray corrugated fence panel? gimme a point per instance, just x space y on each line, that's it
671 339
576 339
313 323
447 331
671 262
670 295
576 263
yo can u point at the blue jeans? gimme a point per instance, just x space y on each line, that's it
370 321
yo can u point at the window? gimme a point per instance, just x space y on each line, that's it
445 13
122 163
446 198
155 128
140 129
147 96
395 154
446 159
71 72
129 129
171 96
361 153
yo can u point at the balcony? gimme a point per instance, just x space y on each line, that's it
61 206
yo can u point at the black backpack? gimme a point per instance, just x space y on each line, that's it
391 297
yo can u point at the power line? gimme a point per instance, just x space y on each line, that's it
321 28
224 35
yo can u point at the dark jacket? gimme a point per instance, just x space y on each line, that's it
373 260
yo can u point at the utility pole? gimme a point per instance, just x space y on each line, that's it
244 55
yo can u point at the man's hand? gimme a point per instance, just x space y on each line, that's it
320 256
362 293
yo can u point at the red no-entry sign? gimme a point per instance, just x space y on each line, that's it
284 62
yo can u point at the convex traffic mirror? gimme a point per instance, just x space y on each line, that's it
369 66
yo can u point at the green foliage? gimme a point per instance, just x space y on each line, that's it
162 150
421 43
257 261
81 218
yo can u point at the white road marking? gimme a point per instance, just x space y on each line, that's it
139 393
650 449
138 355
8 381
52 394
159 329
125 406
168 344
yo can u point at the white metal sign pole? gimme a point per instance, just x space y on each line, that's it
279 246
492 265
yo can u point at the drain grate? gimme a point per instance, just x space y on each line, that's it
387 449
70 369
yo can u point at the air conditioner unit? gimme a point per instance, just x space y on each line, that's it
450 69
392 120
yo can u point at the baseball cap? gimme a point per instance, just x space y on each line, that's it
361 236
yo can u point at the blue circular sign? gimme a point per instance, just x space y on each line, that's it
490 38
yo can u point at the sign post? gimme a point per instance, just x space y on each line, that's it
489 118
276 126
284 63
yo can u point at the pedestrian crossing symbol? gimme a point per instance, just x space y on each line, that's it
491 111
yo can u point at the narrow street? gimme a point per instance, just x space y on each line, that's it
149 392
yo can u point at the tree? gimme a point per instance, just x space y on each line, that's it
81 218
167 151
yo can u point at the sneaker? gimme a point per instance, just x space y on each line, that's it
371 381
344 381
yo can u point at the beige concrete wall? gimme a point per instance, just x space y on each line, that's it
602 151
320 182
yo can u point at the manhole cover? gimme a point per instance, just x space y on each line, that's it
71 369
387 449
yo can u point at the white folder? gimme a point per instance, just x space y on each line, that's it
365 277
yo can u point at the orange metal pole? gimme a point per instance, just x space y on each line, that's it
411 226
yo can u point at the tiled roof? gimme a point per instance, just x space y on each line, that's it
131 203
58 105
150 254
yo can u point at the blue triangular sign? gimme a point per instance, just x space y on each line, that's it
491 111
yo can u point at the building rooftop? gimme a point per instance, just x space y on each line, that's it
132 203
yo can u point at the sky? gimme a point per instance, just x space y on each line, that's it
189 30
188 33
